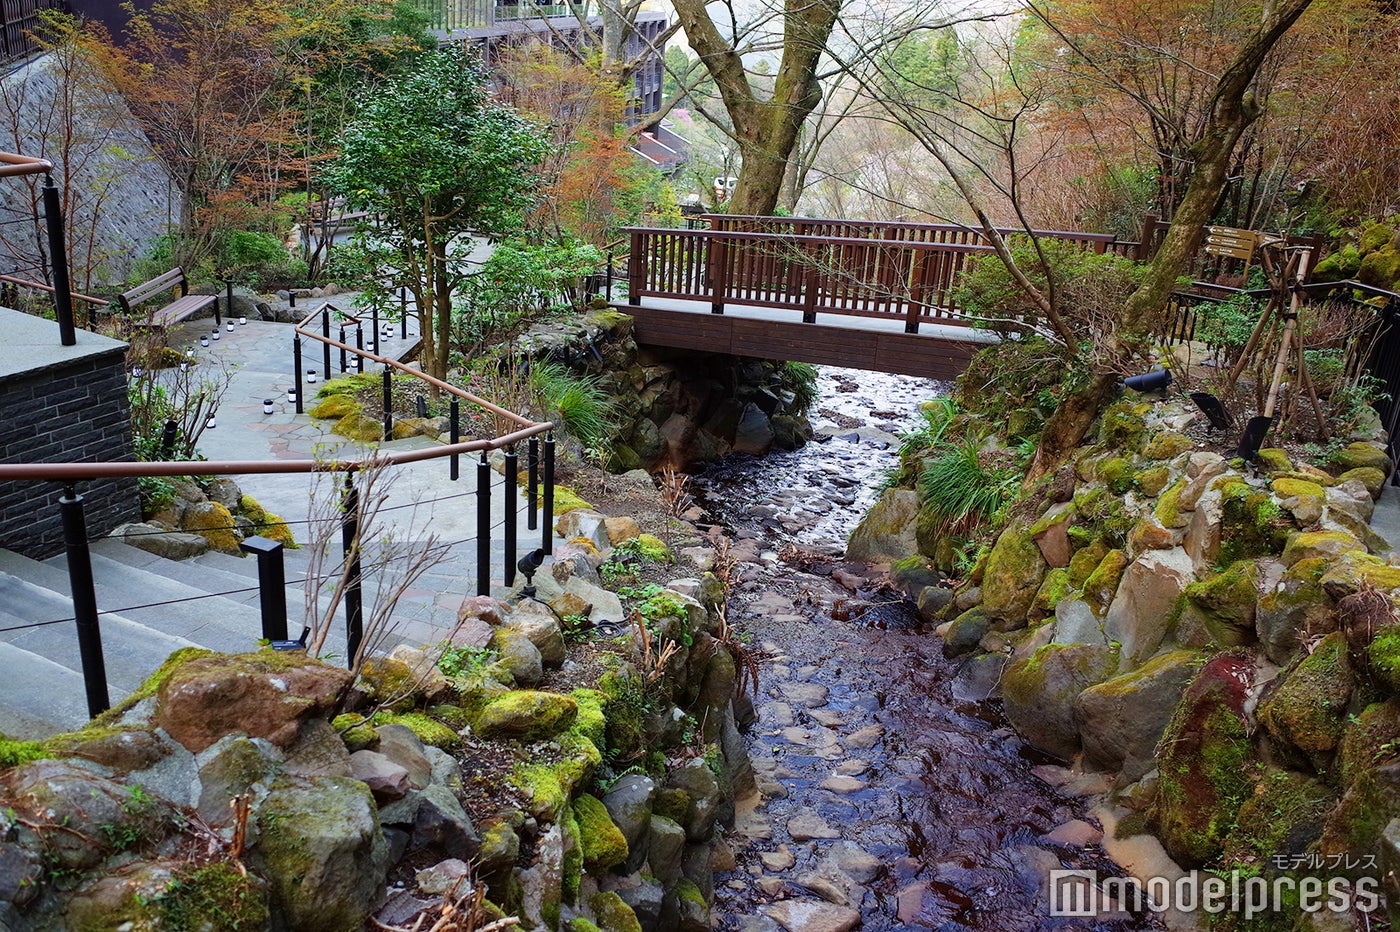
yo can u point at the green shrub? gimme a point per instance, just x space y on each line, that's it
966 487
577 404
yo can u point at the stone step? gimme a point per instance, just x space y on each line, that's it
47 699
39 620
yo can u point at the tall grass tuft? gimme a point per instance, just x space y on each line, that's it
967 487
577 404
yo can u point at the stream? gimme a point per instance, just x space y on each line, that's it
888 802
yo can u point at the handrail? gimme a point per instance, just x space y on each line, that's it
911 225
25 283
805 239
73 472
416 373
16 164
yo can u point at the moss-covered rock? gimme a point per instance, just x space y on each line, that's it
1055 587
1383 658
1294 608
1117 474
1014 572
1086 560
1307 706
567 500
1272 460
1283 816
527 715
336 406
389 683
428 729
1369 476
1122 719
1153 481
1124 426
592 723
356 731
1229 597
544 795
1372 739
360 428
213 522
1040 692
1358 455
652 548
1203 763
613 914
602 841
1168 511
965 632
1099 588
1326 544
1168 445
1356 569
887 532
1251 522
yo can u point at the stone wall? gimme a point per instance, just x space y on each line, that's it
120 196
60 404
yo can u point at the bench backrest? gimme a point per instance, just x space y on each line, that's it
164 282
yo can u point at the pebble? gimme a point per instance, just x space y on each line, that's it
813 916
779 860
827 717
865 738
808 825
852 767
839 784
810 695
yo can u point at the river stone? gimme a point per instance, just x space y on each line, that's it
1139 616
1076 623
21 878
887 532
1122 719
965 632
385 779
1039 693
519 655
263 695
320 846
542 884
489 610
932 601
441 825
629 806
806 826
403 747
812 916
665 847
754 432
125 750
538 623
854 861
438 879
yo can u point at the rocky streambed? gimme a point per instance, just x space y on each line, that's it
887 802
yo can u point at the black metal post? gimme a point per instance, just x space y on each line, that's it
609 285
326 346
454 436
512 485
343 363
483 526
403 313
360 345
58 268
168 433
547 532
350 546
532 483
296 368
272 585
228 306
375 340
388 404
70 508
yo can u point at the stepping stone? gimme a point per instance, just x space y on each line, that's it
852 767
810 695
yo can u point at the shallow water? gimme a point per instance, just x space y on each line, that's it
939 790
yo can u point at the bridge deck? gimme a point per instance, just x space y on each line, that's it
935 352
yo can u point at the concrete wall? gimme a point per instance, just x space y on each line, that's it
121 196
60 404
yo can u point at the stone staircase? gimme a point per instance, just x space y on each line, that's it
152 606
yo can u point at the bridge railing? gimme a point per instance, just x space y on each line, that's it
910 280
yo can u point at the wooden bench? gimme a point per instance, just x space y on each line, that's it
184 306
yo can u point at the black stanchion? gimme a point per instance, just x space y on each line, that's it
512 484
374 340
296 367
403 313
58 268
454 436
343 362
75 543
483 526
532 483
388 404
326 346
547 532
350 546
272 585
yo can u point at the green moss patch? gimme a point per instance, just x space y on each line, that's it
356 731
527 715
1103 582
1308 708
603 843
1168 445
1229 596
334 407
429 730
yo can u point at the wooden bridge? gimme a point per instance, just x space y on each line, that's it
878 296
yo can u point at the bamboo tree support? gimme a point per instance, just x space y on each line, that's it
1290 325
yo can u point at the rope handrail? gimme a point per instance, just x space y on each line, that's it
409 370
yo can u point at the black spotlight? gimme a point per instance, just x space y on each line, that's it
422 406
1253 439
1155 381
527 565
298 644
1213 410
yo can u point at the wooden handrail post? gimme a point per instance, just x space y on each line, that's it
636 268
1146 238
716 253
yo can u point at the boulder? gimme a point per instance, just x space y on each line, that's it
629 805
527 715
1359 455
590 525
703 798
1203 759
1076 623
754 432
1351 498
665 844
602 842
263 695
1140 614
1306 706
887 532
1228 600
965 632
233 766
1326 544
1040 693
1296 606
173 545
403 747
1122 719
320 846
1014 572
932 601
540 625
429 681
442 827
519 655
385 779
621 528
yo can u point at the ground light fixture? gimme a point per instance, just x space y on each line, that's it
210 422
215 334
267 406
230 327
528 565
242 320
291 396
203 341
310 376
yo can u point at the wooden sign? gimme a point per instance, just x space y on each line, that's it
1231 243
